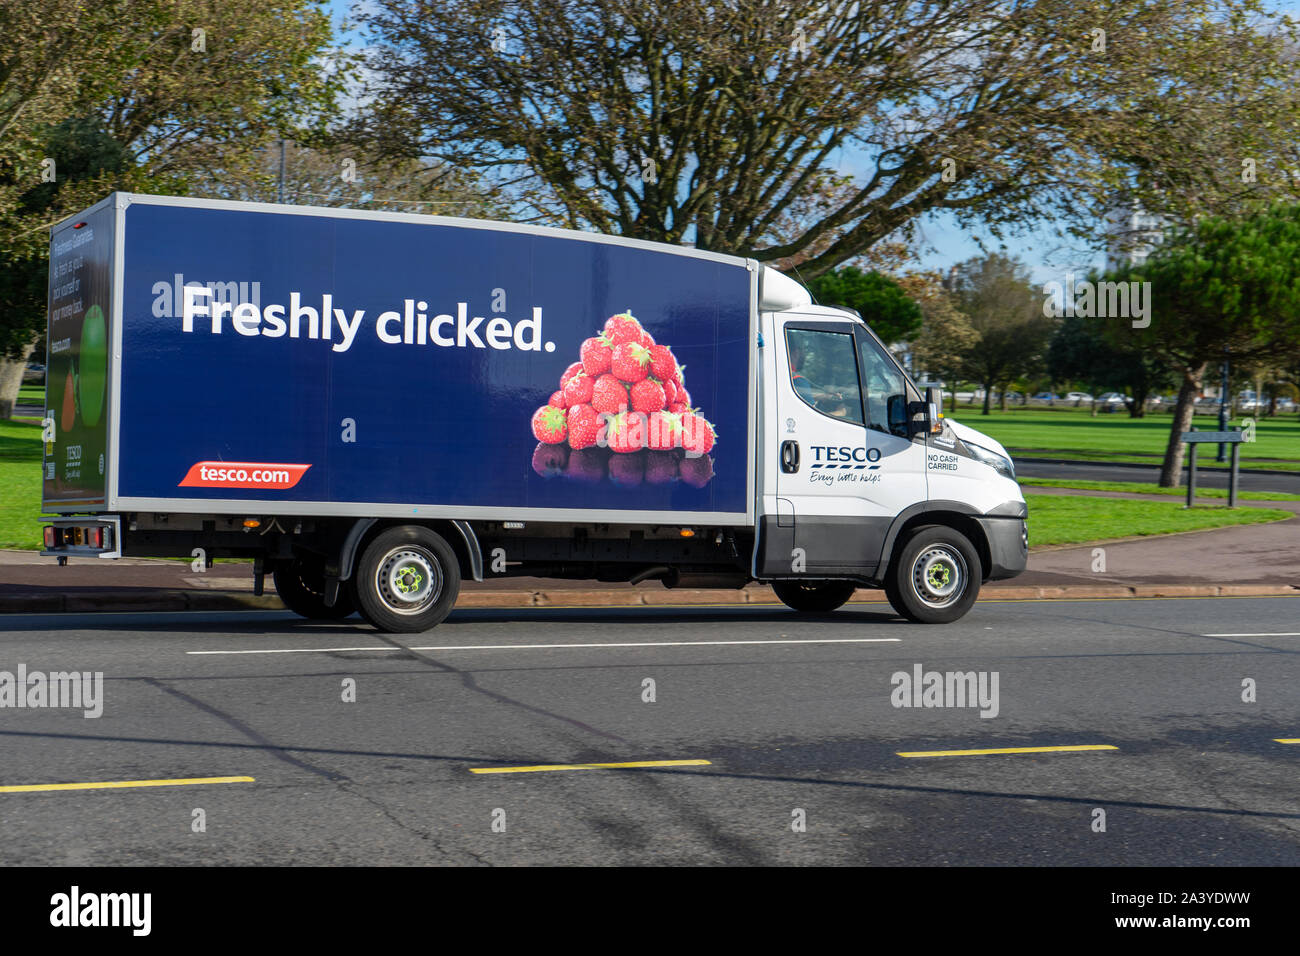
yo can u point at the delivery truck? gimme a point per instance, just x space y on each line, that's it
374 407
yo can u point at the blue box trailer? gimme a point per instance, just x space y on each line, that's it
374 405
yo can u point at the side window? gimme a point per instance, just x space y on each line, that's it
885 392
824 372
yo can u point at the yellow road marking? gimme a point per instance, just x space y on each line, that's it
120 784
591 766
1287 740
1003 750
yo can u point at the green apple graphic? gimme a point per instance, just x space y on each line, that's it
94 366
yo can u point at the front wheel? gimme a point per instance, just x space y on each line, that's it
935 577
819 597
407 580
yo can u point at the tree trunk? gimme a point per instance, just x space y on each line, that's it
1171 469
11 379
1137 407
988 397
1002 400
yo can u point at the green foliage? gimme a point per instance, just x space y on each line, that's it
880 301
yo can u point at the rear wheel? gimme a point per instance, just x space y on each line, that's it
301 586
407 580
935 577
815 597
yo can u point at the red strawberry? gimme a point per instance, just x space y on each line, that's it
683 396
664 432
549 460
557 400
631 362
578 391
670 392
623 328
569 372
697 435
648 396
678 407
549 424
608 394
584 426
663 364
625 432
596 356
697 471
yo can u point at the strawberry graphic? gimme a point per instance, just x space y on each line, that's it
663 364
549 460
587 465
549 425
660 467
623 328
625 432
557 400
683 396
670 391
608 394
648 396
578 391
631 362
584 426
597 355
697 472
697 435
569 372
627 470
678 408
664 431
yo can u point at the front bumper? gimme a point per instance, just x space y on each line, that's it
1008 540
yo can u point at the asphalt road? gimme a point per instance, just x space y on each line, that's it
1150 474
1196 776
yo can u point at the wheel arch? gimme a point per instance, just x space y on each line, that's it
458 534
949 514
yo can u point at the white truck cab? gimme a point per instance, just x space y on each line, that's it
863 481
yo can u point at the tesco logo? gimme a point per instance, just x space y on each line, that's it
829 453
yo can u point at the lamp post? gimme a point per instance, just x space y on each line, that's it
1223 408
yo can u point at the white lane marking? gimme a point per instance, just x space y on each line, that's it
1260 634
516 647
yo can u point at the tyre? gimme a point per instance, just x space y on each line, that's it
301 586
815 597
407 580
935 576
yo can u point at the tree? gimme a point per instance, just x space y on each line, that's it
1006 313
946 334
1225 287
878 299
1081 350
136 94
709 120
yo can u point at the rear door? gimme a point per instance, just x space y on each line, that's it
846 466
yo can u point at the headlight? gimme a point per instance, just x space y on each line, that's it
999 463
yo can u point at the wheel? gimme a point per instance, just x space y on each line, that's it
301 586
815 597
407 580
935 577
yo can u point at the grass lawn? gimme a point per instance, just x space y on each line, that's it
20 484
1137 487
1074 519
31 395
1072 432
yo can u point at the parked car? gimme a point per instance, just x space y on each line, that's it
1113 398
1078 397
1046 397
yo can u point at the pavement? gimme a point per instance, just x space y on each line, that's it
305 743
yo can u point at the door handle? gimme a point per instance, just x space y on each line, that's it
789 456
